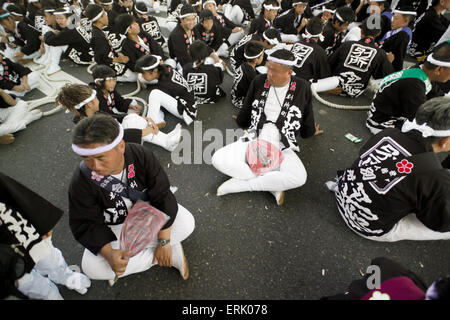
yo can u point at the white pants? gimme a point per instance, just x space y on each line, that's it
236 37
233 13
326 84
410 228
15 118
40 282
34 79
128 76
11 52
222 51
292 38
158 99
167 141
97 267
230 160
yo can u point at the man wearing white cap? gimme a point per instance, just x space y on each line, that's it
391 106
397 189
98 209
277 108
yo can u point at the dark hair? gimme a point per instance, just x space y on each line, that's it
440 289
16 9
101 72
206 14
85 3
66 14
345 13
187 8
199 51
99 128
253 48
123 21
314 25
441 53
141 6
92 10
434 3
149 60
272 33
369 28
269 2
436 114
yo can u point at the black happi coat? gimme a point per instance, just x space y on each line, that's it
391 106
103 51
259 25
27 37
24 217
243 77
372 208
285 22
92 208
296 116
217 35
134 50
35 16
176 86
79 50
355 62
246 7
205 81
397 44
428 29
150 25
237 54
11 74
332 40
116 102
179 45
311 60
227 25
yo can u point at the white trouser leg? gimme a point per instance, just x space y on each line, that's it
231 161
236 37
233 13
55 267
128 76
98 268
15 118
158 99
411 228
34 79
222 51
36 286
326 84
169 26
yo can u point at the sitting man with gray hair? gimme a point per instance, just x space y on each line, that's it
112 177
397 189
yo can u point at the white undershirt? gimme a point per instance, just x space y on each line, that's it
272 111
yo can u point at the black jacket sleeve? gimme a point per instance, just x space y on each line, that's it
31 35
245 115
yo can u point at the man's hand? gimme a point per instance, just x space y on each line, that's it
163 255
19 55
135 108
390 56
318 130
118 260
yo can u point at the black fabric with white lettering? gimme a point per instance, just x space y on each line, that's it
312 62
397 44
92 208
205 81
104 52
135 50
11 74
79 50
372 208
150 25
237 54
243 76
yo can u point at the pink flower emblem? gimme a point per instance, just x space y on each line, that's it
96 176
266 84
404 166
293 86
131 173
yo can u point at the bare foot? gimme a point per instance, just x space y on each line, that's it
7 139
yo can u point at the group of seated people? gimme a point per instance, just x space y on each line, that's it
397 189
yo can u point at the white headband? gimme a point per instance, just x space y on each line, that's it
141 12
271 41
107 4
187 15
309 36
49 10
411 13
209 1
298 2
16 14
86 101
66 11
424 129
270 7
153 66
339 17
104 79
254 57
198 3
98 16
329 10
85 152
430 59
282 61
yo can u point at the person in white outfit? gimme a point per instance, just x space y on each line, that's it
96 215
277 108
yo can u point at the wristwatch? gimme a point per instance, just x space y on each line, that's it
163 242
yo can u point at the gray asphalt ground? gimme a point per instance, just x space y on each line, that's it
244 245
